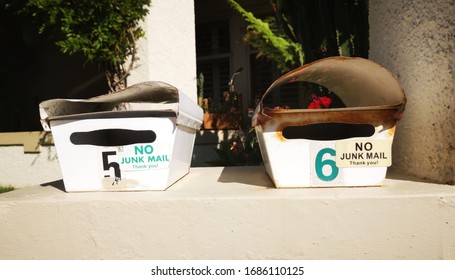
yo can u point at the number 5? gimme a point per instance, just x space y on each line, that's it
107 165
319 165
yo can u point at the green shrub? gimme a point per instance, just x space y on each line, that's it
104 31
302 31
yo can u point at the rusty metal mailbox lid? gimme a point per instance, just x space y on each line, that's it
369 91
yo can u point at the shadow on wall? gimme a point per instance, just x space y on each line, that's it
33 70
206 143
253 175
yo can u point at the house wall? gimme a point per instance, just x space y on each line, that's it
168 51
415 41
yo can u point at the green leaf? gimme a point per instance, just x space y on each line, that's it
96 29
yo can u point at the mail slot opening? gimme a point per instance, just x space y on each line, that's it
112 137
328 131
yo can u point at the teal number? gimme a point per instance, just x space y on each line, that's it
319 164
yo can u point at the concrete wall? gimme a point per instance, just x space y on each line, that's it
231 213
168 52
21 169
28 159
415 41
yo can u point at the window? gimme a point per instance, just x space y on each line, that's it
263 74
213 57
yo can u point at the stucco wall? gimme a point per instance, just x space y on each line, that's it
168 52
231 213
415 41
21 169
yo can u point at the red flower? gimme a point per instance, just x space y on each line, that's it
325 101
314 105
319 101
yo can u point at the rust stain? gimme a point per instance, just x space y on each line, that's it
392 130
376 116
279 135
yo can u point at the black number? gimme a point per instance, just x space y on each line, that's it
108 165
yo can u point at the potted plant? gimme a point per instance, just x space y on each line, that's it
227 113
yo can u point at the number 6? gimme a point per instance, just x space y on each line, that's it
319 165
